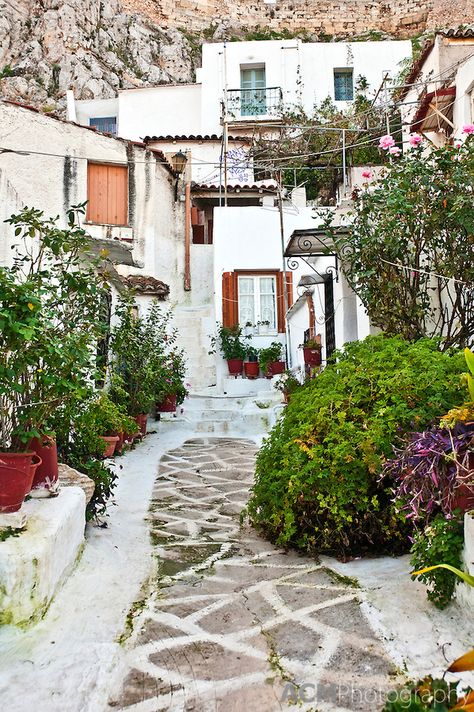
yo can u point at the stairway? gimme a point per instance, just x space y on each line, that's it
194 324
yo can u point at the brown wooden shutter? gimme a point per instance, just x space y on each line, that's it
281 298
210 231
107 194
198 234
230 307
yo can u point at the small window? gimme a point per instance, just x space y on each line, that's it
343 85
105 124
107 194
257 301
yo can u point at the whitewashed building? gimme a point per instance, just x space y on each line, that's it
438 100
239 269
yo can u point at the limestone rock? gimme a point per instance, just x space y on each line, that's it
69 477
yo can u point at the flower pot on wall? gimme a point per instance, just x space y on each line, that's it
17 471
252 369
120 442
110 443
235 366
141 421
168 404
274 368
47 472
463 498
312 357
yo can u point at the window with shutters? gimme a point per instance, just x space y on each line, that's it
343 85
251 297
107 194
105 124
257 301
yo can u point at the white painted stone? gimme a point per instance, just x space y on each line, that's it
465 593
35 563
13 520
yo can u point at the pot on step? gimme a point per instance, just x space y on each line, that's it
141 421
168 404
252 369
47 472
235 366
275 368
110 443
16 476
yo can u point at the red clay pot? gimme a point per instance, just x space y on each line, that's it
47 472
120 442
110 443
235 366
252 369
16 476
312 357
168 404
275 368
141 421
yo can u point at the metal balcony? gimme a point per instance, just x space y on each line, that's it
252 103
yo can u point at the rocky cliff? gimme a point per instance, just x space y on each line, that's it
96 48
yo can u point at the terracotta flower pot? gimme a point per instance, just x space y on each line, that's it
168 404
47 472
110 443
120 442
252 369
141 421
275 368
463 498
235 366
16 476
312 357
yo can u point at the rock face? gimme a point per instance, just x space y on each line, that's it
96 48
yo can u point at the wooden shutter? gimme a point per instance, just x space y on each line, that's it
281 298
210 231
107 194
198 234
230 306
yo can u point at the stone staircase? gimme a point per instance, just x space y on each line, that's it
194 324
252 412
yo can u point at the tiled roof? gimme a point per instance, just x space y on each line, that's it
159 154
195 137
461 31
235 188
149 286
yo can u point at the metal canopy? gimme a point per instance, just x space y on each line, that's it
310 243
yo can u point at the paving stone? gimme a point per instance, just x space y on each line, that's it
229 625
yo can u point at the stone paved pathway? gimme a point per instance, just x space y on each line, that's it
232 623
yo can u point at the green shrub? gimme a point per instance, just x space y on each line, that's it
442 540
317 481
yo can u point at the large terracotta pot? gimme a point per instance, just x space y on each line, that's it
47 472
463 498
235 366
312 357
141 421
168 404
275 368
252 369
110 443
120 442
16 476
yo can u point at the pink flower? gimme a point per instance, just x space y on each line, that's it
468 129
386 141
394 150
458 144
366 174
415 139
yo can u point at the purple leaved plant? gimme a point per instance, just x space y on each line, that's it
432 471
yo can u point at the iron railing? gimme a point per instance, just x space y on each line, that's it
254 102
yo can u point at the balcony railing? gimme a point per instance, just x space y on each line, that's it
254 102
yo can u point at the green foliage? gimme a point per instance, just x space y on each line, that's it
442 540
416 220
49 323
318 473
229 341
147 364
428 694
270 354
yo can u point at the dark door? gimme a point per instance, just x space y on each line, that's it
329 316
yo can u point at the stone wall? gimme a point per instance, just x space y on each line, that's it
324 17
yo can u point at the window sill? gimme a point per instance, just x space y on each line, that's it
89 222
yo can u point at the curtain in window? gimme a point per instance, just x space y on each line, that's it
246 301
267 301
343 86
252 85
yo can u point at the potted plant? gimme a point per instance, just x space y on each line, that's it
105 417
229 341
312 352
287 384
263 327
271 362
251 364
171 390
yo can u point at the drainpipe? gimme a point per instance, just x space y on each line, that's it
187 237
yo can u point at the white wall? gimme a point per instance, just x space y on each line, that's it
464 106
95 108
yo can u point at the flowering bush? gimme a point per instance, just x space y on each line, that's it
408 253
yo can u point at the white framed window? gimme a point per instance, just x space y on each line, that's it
257 300
343 84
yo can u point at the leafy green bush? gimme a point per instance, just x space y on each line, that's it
428 694
318 481
442 540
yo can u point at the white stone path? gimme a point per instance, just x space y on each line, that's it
232 623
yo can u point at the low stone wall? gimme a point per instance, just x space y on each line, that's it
465 593
35 561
